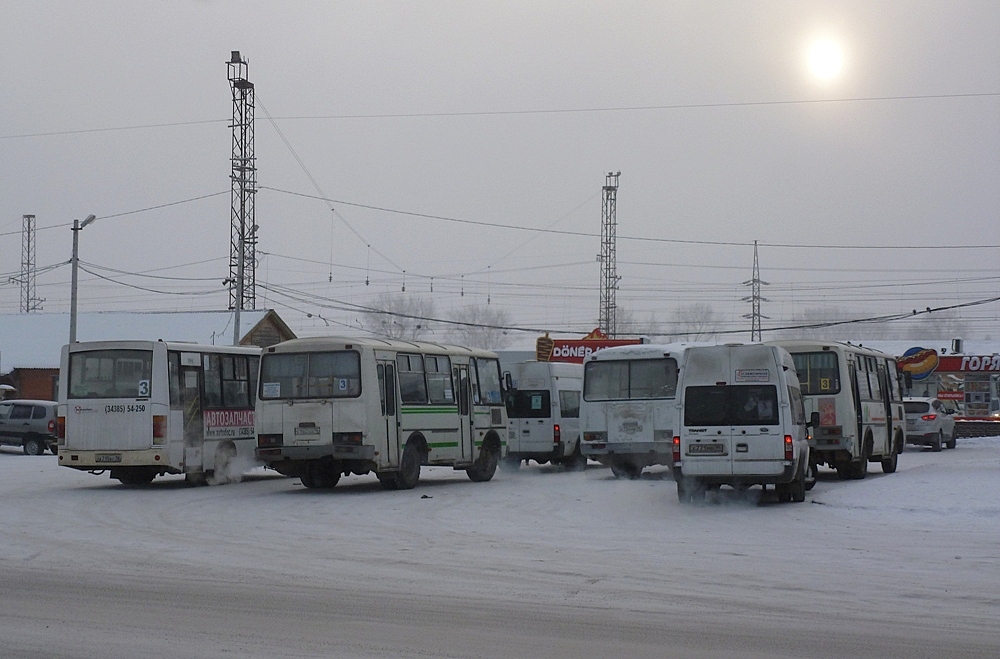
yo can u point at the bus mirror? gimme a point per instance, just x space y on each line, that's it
508 381
813 420
908 380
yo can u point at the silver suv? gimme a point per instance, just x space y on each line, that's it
929 423
30 424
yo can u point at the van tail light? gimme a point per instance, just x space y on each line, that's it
159 428
929 417
789 453
556 434
676 449
60 427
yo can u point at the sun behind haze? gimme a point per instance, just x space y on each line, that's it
825 60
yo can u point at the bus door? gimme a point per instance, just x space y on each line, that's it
465 415
886 392
190 390
390 408
852 372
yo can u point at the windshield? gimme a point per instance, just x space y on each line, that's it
916 406
110 374
335 374
630 379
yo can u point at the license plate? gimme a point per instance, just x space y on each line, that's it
306 430
706 449
108 457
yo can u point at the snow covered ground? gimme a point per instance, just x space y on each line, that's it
539 563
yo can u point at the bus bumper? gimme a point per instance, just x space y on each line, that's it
307 453
111 459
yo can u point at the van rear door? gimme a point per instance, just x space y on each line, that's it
759 446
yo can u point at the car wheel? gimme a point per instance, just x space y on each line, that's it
33 446
936 446
951 441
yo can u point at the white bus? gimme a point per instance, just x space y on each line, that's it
141 409
857 394
630 412
331 406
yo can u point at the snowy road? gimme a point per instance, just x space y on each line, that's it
539 563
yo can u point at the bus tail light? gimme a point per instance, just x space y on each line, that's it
676 449
265 441
61 427
789 448
556 434
347 438
159 428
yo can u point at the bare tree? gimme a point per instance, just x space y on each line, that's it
628 323
696 322
481 326
400 316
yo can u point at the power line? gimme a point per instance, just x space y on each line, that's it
132 212
542 111
647 239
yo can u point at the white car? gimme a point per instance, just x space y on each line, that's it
929 423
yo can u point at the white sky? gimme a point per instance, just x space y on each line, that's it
510 114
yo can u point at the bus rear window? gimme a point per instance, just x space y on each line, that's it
335 374
110 374
819 372
630 379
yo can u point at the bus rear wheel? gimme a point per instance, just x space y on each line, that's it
134 476
625 469
485 466
409 468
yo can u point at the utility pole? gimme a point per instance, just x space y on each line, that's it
77 228
755 299
243 241
607 257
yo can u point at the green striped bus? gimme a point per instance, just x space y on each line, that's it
333 406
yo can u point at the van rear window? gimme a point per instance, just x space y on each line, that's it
731 405
530 404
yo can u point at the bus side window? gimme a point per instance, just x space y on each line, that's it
174 379
412 387
474 381
380 370
212 380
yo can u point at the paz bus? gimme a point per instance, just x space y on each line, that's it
141 409
333 406
630 412
856 392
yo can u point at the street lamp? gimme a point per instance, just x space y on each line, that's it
77 226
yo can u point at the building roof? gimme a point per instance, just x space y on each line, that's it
34 340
